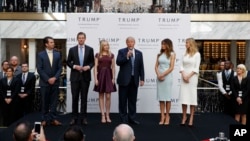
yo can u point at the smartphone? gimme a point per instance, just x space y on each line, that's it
37 127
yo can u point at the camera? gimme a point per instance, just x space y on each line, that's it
37 127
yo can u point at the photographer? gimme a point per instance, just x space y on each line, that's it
24 132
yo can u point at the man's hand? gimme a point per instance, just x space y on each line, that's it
227 96
22 95
52 80
141 83
8 100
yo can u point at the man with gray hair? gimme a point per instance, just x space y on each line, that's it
123 132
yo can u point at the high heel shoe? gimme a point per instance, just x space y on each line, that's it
103 119
167 120
162 120
183 123
108 119
190 124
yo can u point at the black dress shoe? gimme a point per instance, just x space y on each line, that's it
182 124
73 122
134 122
84 122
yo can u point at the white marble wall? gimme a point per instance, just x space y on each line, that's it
57 29
220 30
32 29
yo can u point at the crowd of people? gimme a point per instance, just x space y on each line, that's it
17 87
234 86
161 6
17 84
24 131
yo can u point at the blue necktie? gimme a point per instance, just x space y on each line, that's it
132 62
81 56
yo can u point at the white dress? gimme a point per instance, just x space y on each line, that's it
188 91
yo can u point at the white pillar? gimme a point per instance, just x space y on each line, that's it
2 50
32 55
247 52
233 53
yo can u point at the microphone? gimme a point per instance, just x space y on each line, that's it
131 51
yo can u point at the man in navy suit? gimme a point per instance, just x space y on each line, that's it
5 65
81 61
26 94
130 76
49 67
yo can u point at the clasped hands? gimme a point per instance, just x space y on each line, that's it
185 78
80 68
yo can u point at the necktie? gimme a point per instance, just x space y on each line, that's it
50 54
132 62
227 74
81 56
23 78
4 74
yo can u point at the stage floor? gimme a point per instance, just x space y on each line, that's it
206 125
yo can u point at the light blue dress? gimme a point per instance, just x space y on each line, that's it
164 88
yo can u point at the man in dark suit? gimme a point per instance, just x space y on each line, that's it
224 86
14 63
131 74
81 61
5 65
49 68
26 94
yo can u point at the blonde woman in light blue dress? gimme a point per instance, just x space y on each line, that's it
163 68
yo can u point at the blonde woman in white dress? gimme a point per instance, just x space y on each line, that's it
189 80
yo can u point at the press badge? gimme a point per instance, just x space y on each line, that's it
22 89
240 94
227 87
8 92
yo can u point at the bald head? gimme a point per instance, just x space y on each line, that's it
22 132
123 132
14 61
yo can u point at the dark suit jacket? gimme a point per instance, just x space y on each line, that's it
236 86
14 87
73 59
29 83
124 74
45 70
1 75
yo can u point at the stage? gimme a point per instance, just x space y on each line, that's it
206 125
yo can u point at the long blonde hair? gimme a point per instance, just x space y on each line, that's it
193 47
101 50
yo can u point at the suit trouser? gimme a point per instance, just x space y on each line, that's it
49 102
79 89
127 101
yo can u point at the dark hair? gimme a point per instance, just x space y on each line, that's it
46 40
80 33
74 133
5 61
22 133
169 48
25 63
12 69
